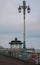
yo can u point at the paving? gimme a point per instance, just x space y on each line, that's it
12 61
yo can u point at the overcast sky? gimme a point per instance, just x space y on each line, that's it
11 20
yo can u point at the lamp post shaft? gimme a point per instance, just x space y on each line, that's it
24 56
24 23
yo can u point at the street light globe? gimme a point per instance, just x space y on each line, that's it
19 9
28 9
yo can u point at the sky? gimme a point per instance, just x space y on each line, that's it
11 21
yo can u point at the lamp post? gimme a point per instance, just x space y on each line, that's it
24 7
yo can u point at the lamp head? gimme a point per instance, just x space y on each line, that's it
28 9
19 9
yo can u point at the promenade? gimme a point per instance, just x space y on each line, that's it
4 60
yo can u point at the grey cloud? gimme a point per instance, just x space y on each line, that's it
10 18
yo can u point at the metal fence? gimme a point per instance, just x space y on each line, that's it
10 54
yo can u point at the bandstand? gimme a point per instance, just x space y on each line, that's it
16 47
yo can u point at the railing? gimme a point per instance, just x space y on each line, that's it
10 54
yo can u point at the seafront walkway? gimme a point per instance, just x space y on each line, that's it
4 60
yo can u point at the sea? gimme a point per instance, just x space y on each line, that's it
31 40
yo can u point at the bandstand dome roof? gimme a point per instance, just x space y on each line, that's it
16 41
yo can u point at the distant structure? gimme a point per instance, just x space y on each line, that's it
15 47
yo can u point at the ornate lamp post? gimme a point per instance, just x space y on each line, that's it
24 7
